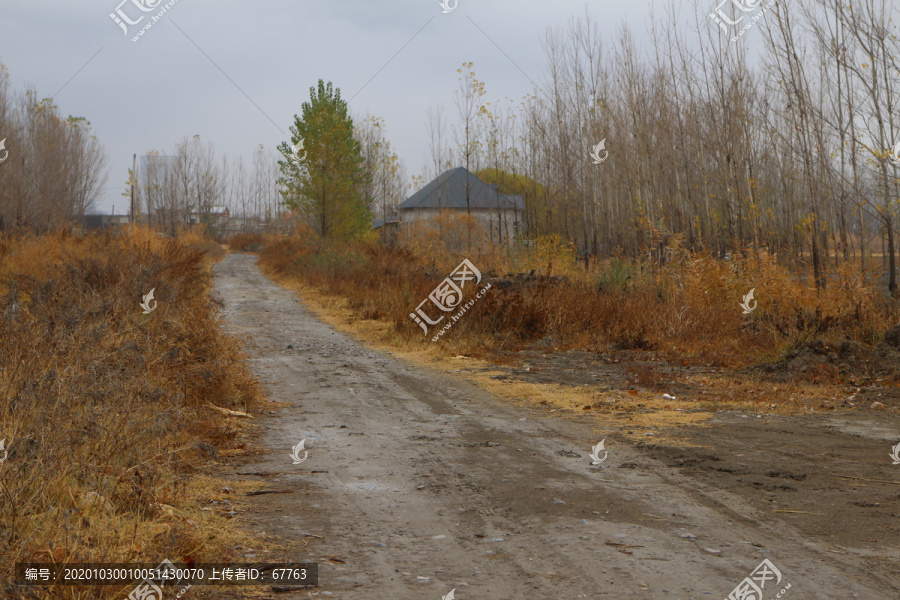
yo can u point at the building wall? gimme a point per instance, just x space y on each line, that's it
500 222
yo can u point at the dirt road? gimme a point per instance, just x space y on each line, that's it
421 484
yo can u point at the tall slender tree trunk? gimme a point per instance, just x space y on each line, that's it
892 267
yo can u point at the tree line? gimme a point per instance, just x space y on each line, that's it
334 173
722 145
187 186
52 169
722 148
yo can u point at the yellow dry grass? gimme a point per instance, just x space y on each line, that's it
102 407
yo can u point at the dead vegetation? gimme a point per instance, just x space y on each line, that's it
687 309
105 409
245 241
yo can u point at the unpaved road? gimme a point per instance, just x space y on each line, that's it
421 483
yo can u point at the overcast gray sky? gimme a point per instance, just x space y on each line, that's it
152 93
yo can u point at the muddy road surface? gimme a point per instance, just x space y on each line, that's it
417 484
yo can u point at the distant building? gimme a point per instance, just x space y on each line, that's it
101 222
218 214
498 213
388 230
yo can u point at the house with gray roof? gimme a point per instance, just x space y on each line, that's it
499 214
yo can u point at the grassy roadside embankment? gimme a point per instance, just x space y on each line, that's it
105 410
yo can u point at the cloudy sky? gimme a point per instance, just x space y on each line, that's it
236 72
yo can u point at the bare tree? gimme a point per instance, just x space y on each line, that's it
468 103
54 168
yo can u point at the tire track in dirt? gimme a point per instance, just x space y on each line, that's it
429 477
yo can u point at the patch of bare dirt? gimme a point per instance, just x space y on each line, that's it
829 476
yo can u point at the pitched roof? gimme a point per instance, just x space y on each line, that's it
379 223
449 191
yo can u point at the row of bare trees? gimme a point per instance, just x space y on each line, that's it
385 181
52 169
777 138
191 186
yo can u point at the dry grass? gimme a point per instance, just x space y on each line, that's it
687 309
242 241
103 407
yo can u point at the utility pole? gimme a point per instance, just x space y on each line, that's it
133 174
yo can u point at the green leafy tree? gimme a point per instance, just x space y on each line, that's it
326 186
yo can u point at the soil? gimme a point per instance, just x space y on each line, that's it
847 361
419 482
